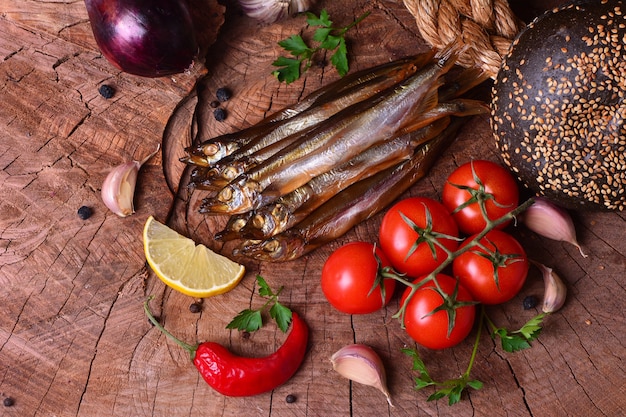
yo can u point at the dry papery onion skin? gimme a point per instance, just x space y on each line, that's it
557 106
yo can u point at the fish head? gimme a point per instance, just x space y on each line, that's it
261 225
267 221
233 199
212 152
194 159
280 248
232 171
234 227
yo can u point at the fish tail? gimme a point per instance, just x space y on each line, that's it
448 56
460 82
469 107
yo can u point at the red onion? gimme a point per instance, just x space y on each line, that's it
149 38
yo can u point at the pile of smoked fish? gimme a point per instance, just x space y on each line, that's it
310 172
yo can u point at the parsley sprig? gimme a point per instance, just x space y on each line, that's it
328 38
452 388
512 341
251 320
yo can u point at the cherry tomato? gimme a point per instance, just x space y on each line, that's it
404 229
432 330
349 275
493 180
475 268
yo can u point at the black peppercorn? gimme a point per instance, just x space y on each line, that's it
8 402
219 114
290 398
84 212
223 94
106 91
530 302
195 307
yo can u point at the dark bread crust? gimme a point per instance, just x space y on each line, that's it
558 105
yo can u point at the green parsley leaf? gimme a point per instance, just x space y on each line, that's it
532 328
423 379
418 363
475 384
513 341
295 45
421 382
289 70
321 35
247 320
437 395
252 320
510 342
329 39
453 388
454 394
332 42
264 288
282 316
323 20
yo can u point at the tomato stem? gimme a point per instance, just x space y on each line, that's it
451 255
479 196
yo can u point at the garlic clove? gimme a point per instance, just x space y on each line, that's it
549 220
555 291
271 11
118 188
360 363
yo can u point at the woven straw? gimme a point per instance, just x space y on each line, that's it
484 28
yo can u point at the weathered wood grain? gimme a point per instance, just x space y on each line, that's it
74 340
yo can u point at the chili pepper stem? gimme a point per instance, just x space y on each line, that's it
189 348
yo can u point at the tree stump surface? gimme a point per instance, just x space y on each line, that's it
74 340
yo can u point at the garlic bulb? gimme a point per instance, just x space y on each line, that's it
555 290
360 363
270 11
549 220
118 188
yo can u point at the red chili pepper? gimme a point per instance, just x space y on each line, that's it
238 376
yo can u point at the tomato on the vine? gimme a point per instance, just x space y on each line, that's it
351 279
495 271
411 233
479 180
432 326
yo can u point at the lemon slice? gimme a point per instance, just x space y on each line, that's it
192 269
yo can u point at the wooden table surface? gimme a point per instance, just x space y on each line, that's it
74 340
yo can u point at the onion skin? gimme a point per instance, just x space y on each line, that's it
149 38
